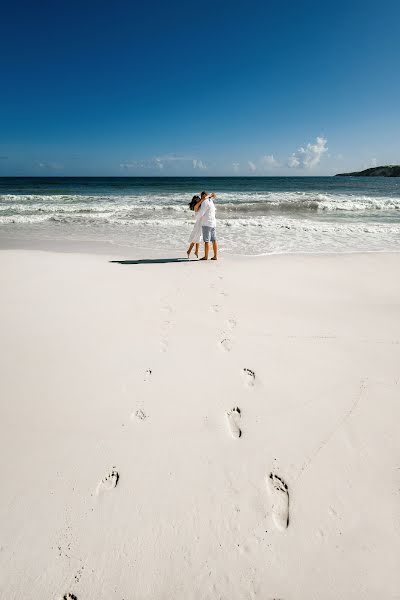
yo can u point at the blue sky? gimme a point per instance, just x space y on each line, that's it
198 88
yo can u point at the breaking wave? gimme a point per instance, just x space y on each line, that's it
229 204
248 222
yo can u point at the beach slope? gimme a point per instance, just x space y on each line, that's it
199 430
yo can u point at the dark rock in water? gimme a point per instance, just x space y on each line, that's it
385 171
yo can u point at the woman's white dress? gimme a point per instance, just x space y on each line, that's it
195 236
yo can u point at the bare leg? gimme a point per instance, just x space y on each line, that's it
190 249
206 250
215 249
196 251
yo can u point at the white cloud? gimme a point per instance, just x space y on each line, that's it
293 161
151 163
198 164
372 163
236 167
252 166
134 164
310 156
269 161
50 166
163 162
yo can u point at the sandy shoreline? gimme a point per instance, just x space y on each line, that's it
116 251
123 476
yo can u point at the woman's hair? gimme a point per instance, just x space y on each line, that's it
193 202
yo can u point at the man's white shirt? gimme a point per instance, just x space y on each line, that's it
207 213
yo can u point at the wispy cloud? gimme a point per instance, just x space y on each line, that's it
372 163
158 163
198 164
309 156
293 161
148 163
252 166
132 164
269 161
50 166
236 166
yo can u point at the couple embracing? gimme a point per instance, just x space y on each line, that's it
205 225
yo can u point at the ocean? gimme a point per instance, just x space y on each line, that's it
256 215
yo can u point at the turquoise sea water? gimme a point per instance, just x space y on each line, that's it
256 215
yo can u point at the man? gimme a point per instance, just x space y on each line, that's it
208 224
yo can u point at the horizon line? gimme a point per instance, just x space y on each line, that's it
156 176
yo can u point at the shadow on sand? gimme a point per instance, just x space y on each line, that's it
151 261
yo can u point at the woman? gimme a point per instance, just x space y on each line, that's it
195 236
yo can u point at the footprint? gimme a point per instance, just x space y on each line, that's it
250 377
69 597
147 374
279 493
79 573
233 417
163 345
109 482
140 414
231 324
226 344
215 308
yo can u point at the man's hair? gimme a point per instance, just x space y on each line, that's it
203 194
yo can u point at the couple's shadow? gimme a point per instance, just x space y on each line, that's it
151 261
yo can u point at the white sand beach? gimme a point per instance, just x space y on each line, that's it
145 407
